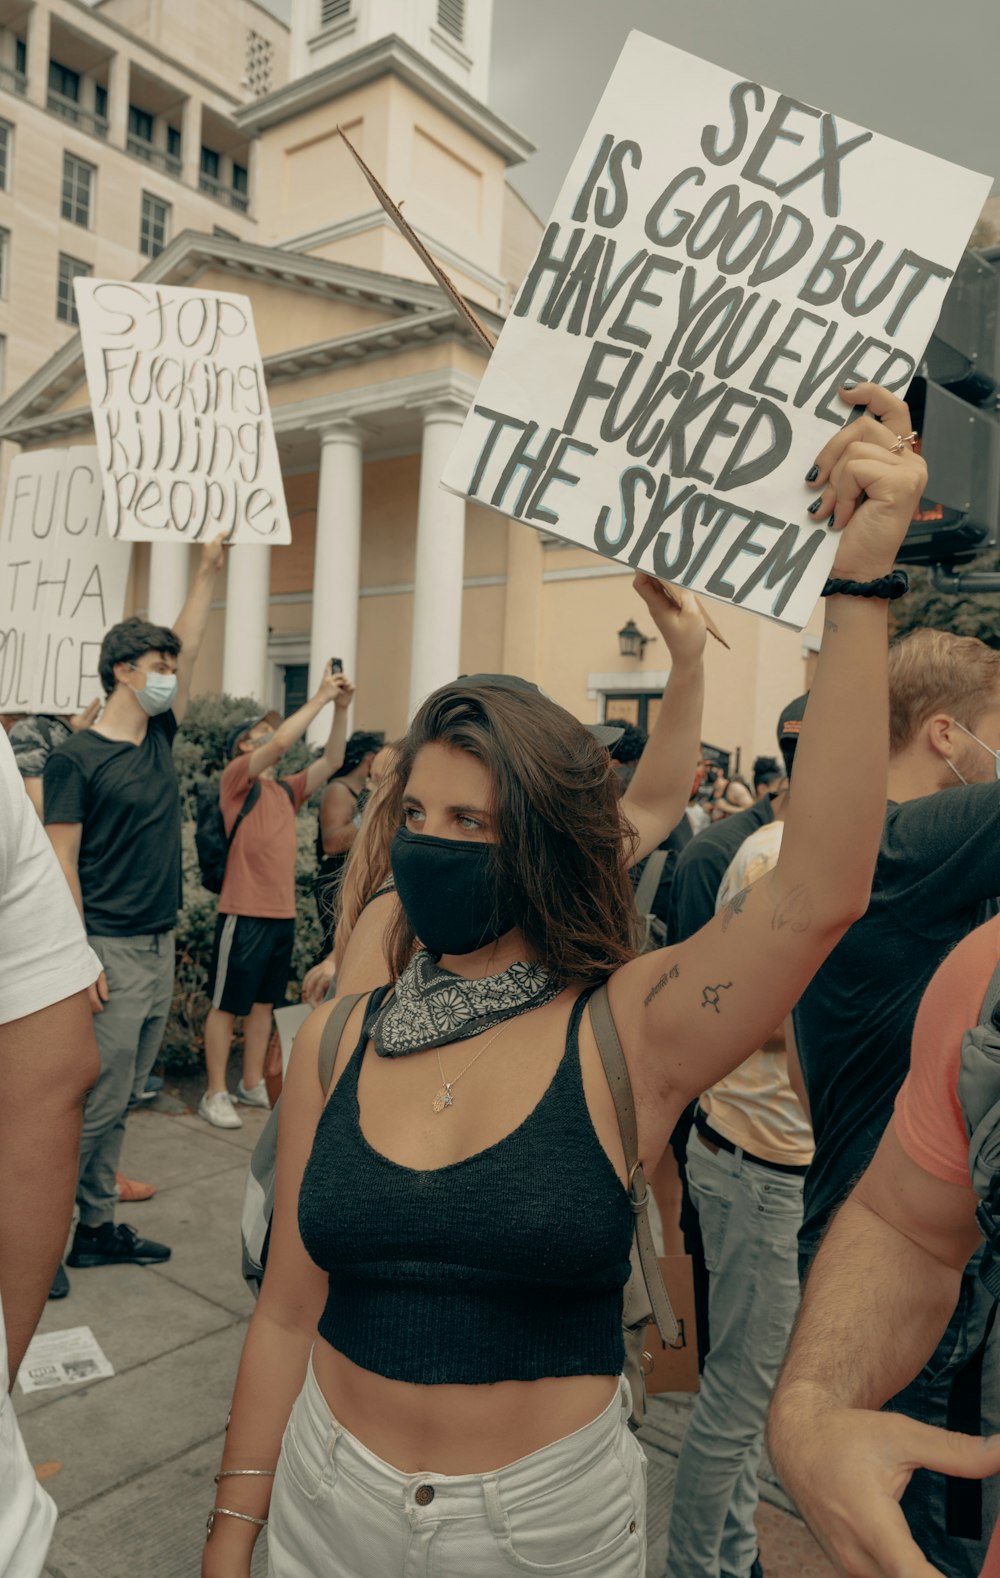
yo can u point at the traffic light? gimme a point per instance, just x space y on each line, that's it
954 408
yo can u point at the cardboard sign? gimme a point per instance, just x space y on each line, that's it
720 259
62 581
181 418
674 1369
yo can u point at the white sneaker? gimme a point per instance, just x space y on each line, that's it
256 1096
219 1111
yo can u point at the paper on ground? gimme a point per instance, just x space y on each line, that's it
61 1358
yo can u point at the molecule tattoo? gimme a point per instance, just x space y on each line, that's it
710 995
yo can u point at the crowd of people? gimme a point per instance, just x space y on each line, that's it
436 1377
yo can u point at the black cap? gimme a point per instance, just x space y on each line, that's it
234 736
790 727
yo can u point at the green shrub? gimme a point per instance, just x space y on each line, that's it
199 754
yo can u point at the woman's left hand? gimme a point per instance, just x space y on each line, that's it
682 628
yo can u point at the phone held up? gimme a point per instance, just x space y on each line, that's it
336 666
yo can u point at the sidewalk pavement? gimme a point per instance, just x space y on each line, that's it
130 1460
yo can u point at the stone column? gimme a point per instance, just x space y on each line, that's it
39 30
337 562
118 97
437 588
244 646
169 573
191 142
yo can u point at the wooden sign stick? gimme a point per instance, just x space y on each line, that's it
461 306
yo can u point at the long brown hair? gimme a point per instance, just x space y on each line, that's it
561 858
367 865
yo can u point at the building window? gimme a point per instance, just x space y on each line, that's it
154 225
3 363
451 18
210 163
6 154
69 268
64 81
173 142
331 11
140 124
100 101
4 262
77 190
20 56
296 686
240 179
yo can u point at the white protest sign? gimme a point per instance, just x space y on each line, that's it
62 581
181 417
720 259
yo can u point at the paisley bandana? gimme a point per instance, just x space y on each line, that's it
431 1007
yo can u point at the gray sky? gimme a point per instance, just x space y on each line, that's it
922 71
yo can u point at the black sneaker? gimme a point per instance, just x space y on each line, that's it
60 1283
115 1244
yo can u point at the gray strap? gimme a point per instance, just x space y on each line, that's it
616 1069
652 871
332 1032
991 999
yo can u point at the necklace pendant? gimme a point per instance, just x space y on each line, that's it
443 1098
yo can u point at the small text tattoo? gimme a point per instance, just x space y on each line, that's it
710 997
734 909
829 624
668 975
793 911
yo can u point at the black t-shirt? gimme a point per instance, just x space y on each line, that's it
127 798
937 878
702 865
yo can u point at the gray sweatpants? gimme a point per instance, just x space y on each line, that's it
140 972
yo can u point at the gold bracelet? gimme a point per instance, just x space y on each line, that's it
227 1512
232 1473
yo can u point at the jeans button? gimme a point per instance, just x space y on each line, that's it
424 1495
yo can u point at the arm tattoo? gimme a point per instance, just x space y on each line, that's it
710 997
734 909
794 911
668 975
828 624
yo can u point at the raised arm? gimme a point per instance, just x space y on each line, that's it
189 626
654 801
326 765
878 1297
691 1013
292 728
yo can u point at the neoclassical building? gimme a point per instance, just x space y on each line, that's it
370 371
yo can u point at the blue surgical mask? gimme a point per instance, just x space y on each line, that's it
995 754
159 693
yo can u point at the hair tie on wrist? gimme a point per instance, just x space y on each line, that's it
887 587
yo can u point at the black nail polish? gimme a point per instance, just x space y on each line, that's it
812 473
831 520
814 506
849 383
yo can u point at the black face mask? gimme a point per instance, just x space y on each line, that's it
447 889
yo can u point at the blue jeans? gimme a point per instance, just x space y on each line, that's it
750 1217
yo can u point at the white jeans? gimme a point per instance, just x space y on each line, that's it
575 1507
27 1512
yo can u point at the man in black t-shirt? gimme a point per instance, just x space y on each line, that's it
937 878
112 810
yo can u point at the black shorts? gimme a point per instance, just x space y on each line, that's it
251 959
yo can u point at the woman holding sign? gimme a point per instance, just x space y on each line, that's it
432 1378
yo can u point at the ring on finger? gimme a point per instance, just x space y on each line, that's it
901 442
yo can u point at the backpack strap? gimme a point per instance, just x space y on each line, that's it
652 871
333 1030
284 784
616 1070
245 809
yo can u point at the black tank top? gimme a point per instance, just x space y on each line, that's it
506 1266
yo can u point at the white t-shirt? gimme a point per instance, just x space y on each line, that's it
43 946
755 1106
